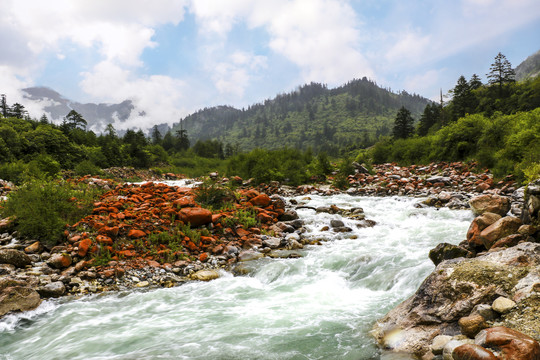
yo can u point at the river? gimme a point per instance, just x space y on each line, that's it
319 306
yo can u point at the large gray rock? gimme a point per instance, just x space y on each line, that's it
14 257
53 289
205 275
452 291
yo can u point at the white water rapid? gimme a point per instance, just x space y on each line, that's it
320 306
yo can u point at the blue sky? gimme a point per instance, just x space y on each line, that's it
173 57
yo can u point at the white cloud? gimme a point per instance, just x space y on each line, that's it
157 96
423 83
232 77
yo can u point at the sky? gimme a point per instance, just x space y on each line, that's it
174 57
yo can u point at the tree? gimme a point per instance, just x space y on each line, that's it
43 119
501 72
4 106
463 100
403 124
72 121
18 111
475 82
182 140
430 117
156 136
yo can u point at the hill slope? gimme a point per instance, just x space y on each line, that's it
354 114
529 68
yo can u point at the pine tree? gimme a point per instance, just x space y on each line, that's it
475 82
403 125
501 72
156 136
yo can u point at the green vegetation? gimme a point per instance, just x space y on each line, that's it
351 116
212 194
41 209
244 218
496 124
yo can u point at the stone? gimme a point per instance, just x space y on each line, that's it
503 227
477 225
503 305
336 223
195 216
272 242
34 248
445 251
527 230
366 223
289 215
249 255
136 233
438 344
261 200
205 275
513 344
472 324
453 344
18 298
484 311
84 246
53 289
451 292
490 203
14 257
509 241
59 261
472 352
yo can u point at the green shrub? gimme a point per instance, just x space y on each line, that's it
42 208
246 218
86 167
212 194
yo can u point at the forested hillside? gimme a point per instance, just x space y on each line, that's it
351 116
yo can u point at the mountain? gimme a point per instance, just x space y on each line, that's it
529 68
352 115
97 115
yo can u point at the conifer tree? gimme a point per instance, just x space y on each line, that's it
501 72
403 125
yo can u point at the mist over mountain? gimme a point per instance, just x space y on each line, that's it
98 116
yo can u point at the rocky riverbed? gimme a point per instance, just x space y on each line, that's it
118 248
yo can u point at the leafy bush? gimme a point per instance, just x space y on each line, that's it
42 208
212 194
245 218
86 167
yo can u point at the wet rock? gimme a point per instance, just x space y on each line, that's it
53 289
509 241
336 223
205 275
289 215
14 257
342 229
439 179
503 305
503 227
472 324
472 352
284 254
366 223
261 200
18 298
445 251
513 344
490 203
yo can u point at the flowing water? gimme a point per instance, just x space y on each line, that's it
320 306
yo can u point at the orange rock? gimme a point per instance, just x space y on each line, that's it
191 246
195 216
102 239
265 218
203 257
136 233
109 230
84 246
185 201
261 200
153 263
242 232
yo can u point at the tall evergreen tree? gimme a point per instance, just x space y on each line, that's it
430 117
4 106
156 136
501 72
475 82
403 125
463 99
